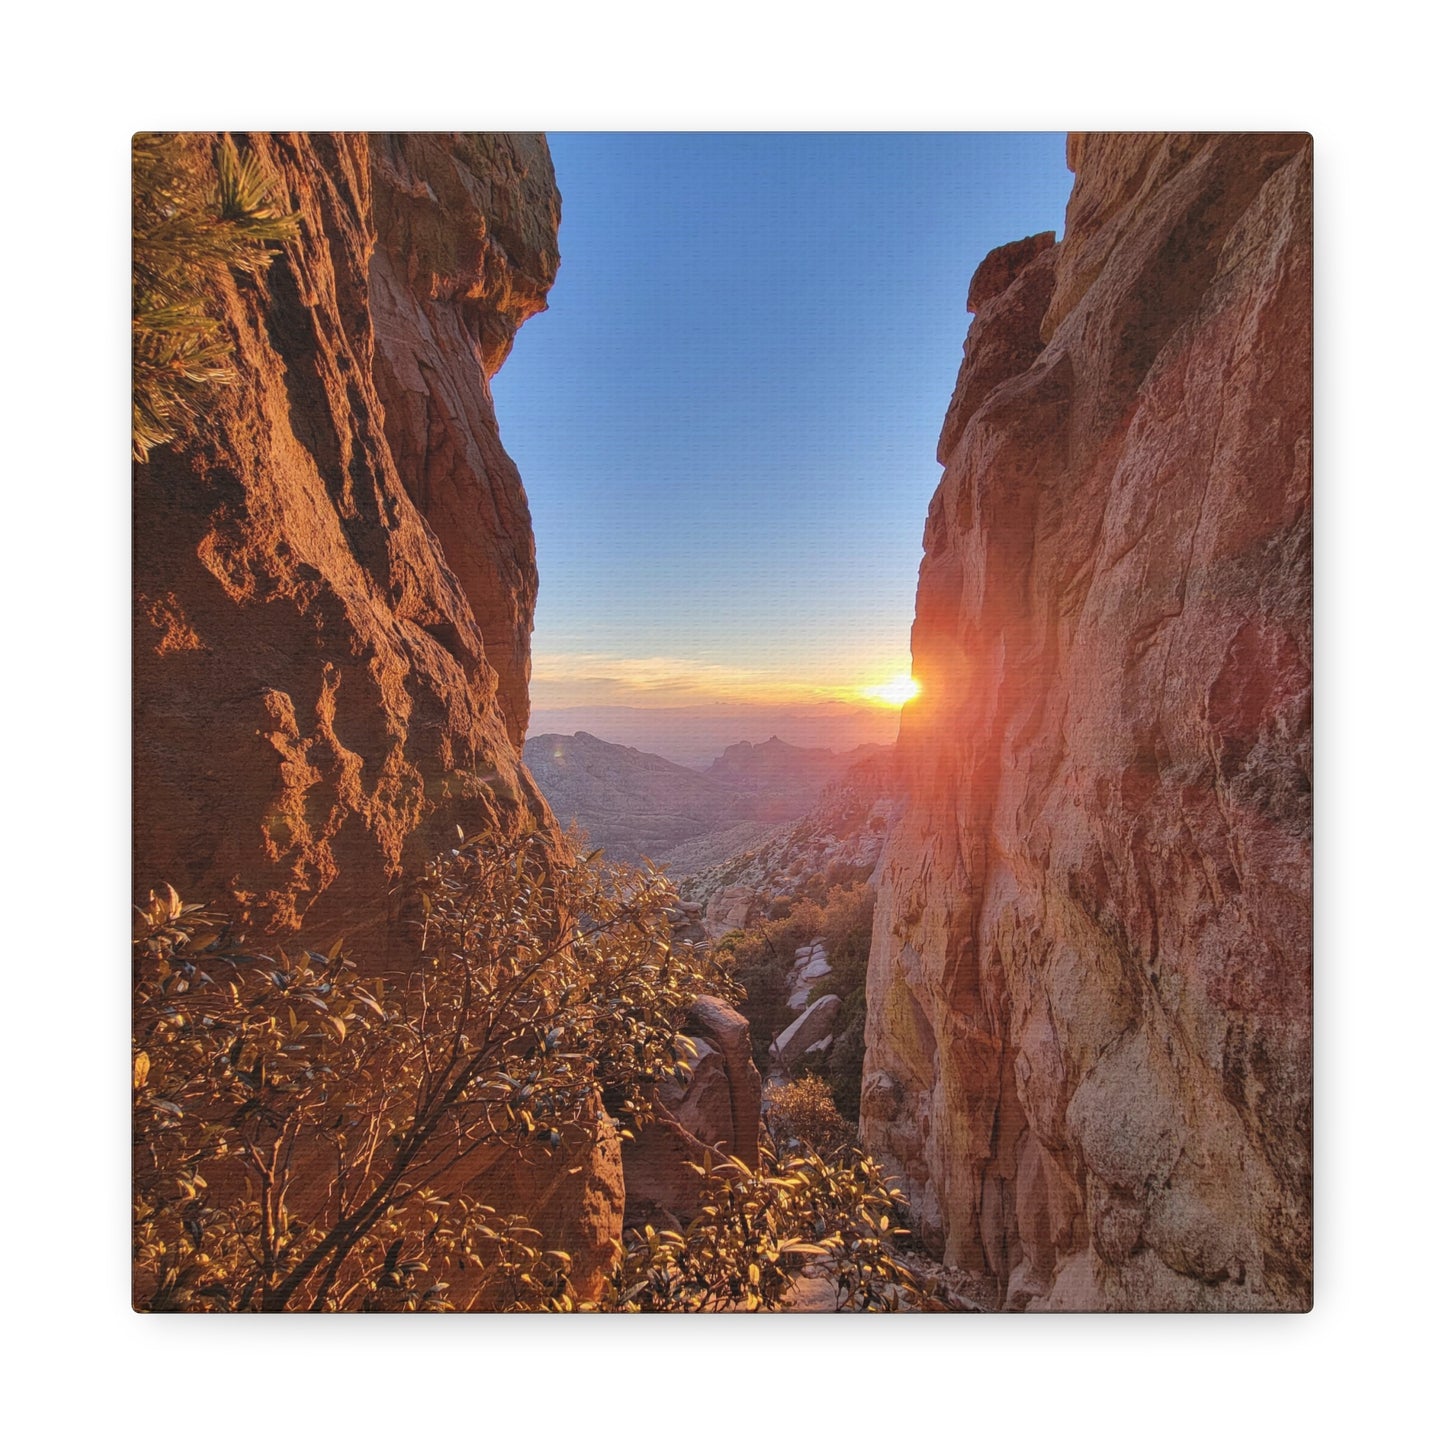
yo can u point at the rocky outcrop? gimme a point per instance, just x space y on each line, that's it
633 805
839 839
467 251
335 579
1089 992
810 964
712 1114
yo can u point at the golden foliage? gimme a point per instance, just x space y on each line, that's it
304 1135
803 1113
758 1229
300 1131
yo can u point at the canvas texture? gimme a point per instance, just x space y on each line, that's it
733 912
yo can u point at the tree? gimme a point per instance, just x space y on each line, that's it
305 1135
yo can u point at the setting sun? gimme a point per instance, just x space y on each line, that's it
895 692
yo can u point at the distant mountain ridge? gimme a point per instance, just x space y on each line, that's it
841 834
635 804
785 781
696 736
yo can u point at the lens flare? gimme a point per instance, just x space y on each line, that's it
895 692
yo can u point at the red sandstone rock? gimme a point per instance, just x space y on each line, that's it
335 581
334 599
722 1027
1089 994
467 233
715 1114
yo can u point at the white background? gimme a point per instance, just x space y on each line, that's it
81 1363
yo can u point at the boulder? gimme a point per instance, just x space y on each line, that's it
703 1105
714 1113
805 1031
726 1030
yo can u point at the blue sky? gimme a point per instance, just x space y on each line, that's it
726 421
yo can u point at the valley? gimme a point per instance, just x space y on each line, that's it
635 804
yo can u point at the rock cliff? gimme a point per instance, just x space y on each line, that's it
335 581
1089 1002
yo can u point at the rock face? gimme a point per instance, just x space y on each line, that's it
715 1113
335 582
467 232
1089 996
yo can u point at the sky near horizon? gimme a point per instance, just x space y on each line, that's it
726 420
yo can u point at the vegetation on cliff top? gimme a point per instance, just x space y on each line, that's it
189 227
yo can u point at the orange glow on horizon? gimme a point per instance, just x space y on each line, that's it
571 680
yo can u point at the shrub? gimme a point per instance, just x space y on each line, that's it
187 232
299 1129
758 1229
845 1058
802 1114
846 925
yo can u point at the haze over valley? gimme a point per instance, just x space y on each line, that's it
637 805
694 735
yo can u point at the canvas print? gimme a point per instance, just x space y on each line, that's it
722 722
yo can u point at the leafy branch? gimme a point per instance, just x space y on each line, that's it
188 231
